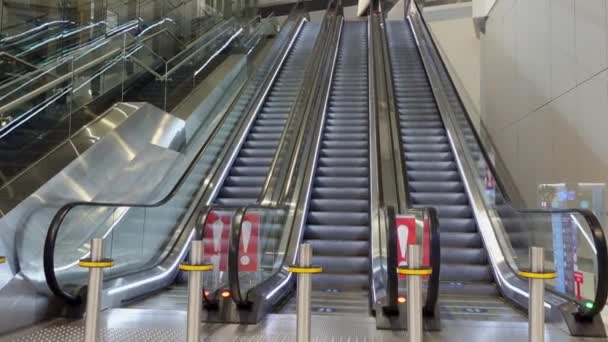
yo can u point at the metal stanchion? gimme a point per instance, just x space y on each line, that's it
536 310
414 271
304 271
2 260
96 263
196 267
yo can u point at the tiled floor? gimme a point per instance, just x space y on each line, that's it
133 325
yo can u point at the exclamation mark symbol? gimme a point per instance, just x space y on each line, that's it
403 233
218 227
246 234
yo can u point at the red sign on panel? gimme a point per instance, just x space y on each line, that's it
216 240
248 246
406 235
579 279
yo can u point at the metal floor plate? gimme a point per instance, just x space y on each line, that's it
134 325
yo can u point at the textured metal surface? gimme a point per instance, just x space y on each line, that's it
124 325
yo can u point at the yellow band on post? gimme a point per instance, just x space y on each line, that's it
534 275
201 268
418 272
309 270
2 260
87 263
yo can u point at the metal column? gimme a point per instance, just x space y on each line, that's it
414 296
91 332
536 310
195 286
304 292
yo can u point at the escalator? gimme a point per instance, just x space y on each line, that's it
245 179
337 223
484 240
432 173
236 150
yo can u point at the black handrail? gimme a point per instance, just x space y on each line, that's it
599 237
432 293
55 226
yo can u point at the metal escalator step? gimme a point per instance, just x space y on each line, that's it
341 182
332 232
340 162
244 181
253 161
344 205
338 218
342 264
449 211
461 239
439 198
459 255
426 148
457 224
429 186
421 156
339 247
340 193
239 191
339 171
432 166
465 272
435 176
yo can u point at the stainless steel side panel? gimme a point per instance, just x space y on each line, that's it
144 145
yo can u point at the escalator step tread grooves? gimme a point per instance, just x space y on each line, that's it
337 224
246 176
433 176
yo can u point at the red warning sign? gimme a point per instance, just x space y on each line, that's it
406 235
216 240
579 279
248 246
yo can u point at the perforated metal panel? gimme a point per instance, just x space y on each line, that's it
75 333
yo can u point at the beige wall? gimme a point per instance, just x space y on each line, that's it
461 51
544 90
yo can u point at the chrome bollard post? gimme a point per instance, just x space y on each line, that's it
414 271
537 296
304 293
536 307
96 263
414 296
304 271
196 267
